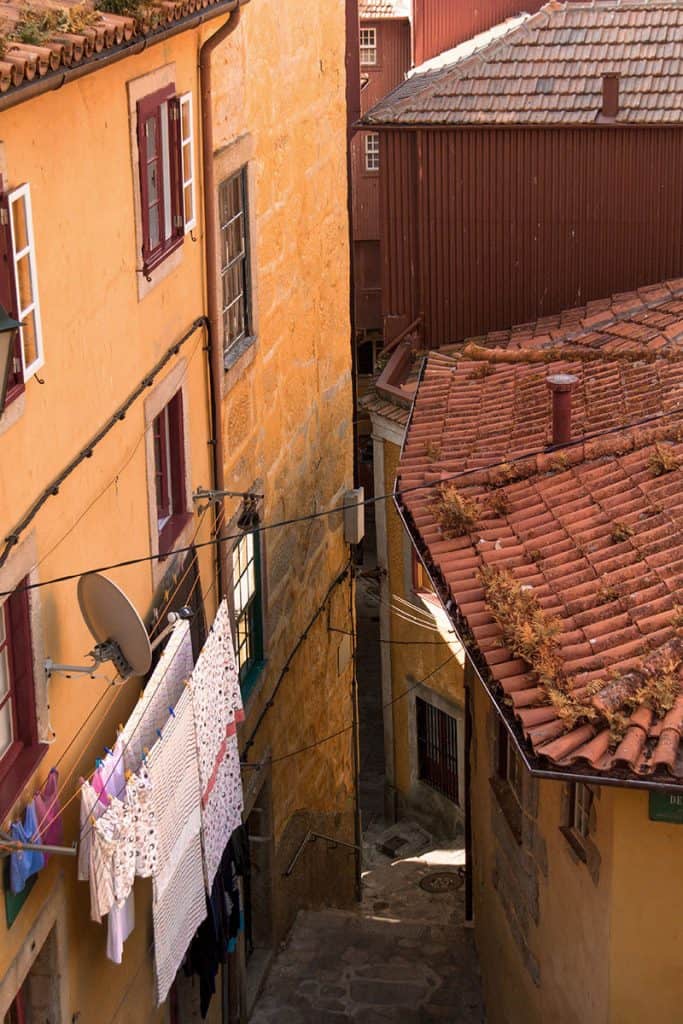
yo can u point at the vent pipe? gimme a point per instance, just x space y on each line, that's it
610 95
561 385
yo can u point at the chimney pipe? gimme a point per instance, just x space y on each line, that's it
561 385
610 95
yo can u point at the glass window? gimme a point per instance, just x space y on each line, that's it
164 152
246 581
368 46
169 472
234 238
17 695
372 151
581 799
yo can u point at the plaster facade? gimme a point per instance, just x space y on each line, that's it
287 425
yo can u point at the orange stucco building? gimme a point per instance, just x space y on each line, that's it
174 340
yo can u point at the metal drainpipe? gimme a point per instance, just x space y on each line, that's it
214 348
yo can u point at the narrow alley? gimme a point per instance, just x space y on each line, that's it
405 953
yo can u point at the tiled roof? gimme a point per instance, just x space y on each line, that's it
42 38
549 70
375 404
592 534
370 9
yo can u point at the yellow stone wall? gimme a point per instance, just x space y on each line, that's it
287 423
415 654
279 103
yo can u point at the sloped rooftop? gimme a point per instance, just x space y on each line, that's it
564 565
40 38
548 69
371 9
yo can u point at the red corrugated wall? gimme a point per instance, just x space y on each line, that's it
393 61
483 229
441 24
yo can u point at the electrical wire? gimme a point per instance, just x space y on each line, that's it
428 485
117 690
404 643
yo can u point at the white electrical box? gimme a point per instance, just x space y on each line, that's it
354 516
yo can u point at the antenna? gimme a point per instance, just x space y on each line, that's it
119 632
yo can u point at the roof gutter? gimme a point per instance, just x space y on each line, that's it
56 79
214 346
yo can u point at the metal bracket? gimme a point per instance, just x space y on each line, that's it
211 497
9 846
311 837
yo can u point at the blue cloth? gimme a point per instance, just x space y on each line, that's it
24 863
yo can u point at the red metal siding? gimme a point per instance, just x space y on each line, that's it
441 24
393 61
483 229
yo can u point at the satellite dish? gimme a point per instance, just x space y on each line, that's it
119 632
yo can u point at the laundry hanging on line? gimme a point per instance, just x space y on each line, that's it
41 823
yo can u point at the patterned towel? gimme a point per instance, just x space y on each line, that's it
162 691
179 904
217 701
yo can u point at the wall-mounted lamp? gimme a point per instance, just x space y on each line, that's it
8 329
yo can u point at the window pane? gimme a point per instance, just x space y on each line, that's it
4 671
6 728
188 207
24 281
151 141
153 181
29 338
19 226
153 226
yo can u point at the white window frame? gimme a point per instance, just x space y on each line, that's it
368 45
187 141
372 151
17 195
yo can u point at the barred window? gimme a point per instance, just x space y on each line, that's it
437 749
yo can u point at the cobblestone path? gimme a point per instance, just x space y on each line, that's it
403 956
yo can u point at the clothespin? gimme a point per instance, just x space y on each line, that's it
141 694
171 711
119 729
92 819
145 752
128 774
159 734
98 762
107 750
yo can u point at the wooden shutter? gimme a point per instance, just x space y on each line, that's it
15 382
177 453
21 665
186 125
26 279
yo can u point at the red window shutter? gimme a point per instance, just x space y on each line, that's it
176 434
21 665
8 298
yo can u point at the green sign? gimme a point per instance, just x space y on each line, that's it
666 807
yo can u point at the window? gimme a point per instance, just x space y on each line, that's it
421 582
508 780
372 151
166 152
232 203
18 729
187 160
579 802
169 473
19 285
437 749
368 46
246 577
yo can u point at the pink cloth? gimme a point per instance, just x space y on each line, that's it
49 811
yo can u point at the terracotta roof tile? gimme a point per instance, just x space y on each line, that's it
548 68
591 529
69 32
